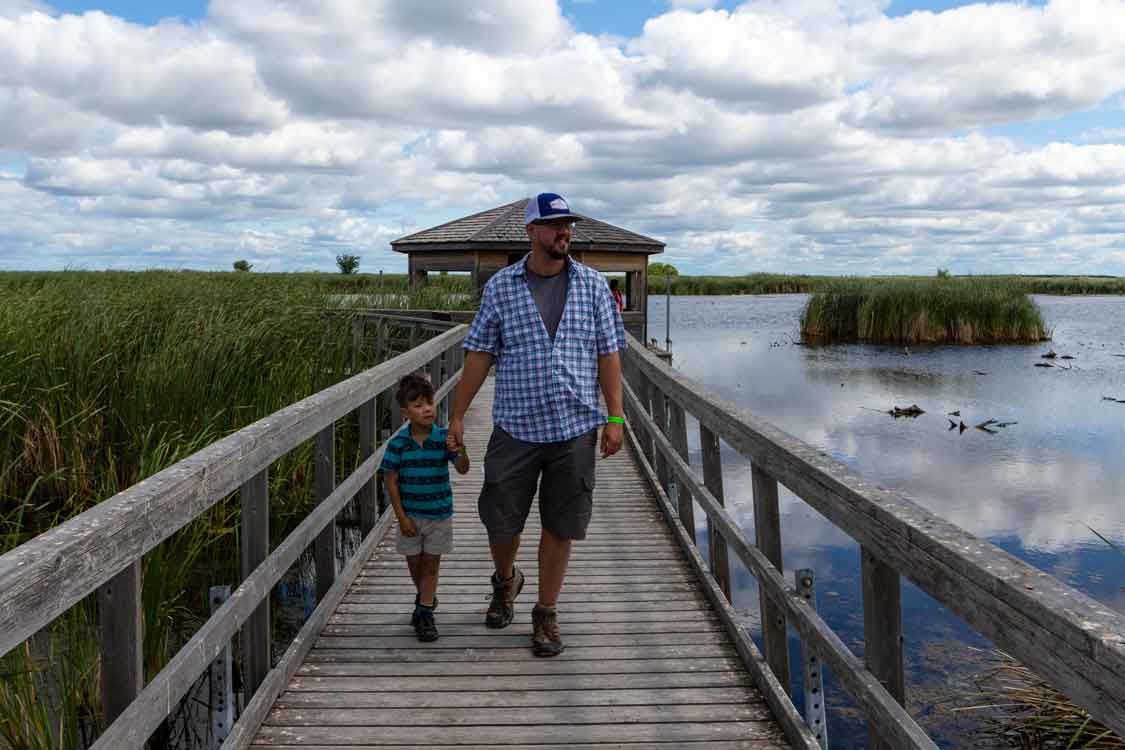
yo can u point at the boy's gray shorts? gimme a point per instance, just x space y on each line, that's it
564 473
434 537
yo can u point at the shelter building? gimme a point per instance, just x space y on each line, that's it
485 242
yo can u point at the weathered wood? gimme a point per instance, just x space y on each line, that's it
677 433
880 707
366 499
324 550
451 686
551 667
44 577
121 641
244 730
882 631
572 717
454 626
550 695
485 641
254 540
767 533
413 735
586 653
137 723
1008 601
772 690
713 481
752 744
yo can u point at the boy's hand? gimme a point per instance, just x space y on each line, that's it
407 526
455 435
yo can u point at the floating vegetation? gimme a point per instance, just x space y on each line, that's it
913 311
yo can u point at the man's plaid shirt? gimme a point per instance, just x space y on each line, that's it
546 391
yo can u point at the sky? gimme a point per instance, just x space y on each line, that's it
785 136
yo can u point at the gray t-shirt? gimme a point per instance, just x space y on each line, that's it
549 293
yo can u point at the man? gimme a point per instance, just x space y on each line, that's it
551 327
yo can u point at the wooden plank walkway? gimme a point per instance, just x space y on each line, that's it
647 665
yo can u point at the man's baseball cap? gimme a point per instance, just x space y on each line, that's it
548 206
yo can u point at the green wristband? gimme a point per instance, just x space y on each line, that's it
618 420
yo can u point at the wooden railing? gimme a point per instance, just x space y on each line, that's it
1069 639
101 549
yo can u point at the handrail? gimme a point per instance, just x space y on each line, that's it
45 576
891 719
1010 602
42 578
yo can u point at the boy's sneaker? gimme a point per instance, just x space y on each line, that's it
545 637
424 625
504 593
418 601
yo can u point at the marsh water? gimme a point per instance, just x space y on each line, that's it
1037 488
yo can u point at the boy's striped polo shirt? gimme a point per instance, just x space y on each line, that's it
423 472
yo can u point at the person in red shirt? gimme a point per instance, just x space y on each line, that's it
617 296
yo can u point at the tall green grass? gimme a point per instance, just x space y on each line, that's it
107 378
908 311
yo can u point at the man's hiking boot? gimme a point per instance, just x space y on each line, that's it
504 593
545 638
424 625
417 601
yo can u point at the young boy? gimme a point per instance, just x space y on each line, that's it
417 479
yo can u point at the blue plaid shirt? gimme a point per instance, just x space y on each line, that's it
546 390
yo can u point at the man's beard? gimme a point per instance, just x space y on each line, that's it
559 254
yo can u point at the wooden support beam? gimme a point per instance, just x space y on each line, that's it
677 433
255 543
366 499
713 480
324 549
882 631
121 641
660 416
767 533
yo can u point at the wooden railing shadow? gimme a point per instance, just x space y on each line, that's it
1068 638
101 550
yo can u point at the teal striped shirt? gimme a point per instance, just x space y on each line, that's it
423 472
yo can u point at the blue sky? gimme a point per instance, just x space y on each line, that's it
804 136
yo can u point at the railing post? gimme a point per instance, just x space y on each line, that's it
365 498
643 390
767 532
255 542
713 481
324 549
660 416
677 429
815 713
381 340
121 641
413 334
882 630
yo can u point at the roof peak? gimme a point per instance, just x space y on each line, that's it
503 226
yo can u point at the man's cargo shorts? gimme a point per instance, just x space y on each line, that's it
563 471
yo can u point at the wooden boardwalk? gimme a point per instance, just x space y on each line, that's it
648 664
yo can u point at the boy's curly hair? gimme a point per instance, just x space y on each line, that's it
411 387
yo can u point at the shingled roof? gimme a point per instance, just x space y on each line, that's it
502 227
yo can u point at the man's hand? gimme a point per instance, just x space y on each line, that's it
612 435
455 435
407 526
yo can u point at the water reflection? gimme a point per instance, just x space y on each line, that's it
1033 488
